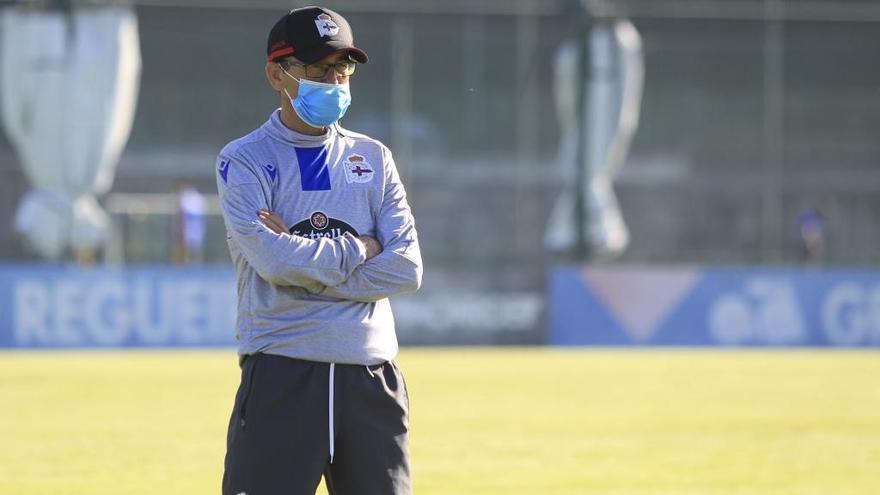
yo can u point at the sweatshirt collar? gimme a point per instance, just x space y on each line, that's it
276 128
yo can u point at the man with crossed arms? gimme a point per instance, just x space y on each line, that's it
321 235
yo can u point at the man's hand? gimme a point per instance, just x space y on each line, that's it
272 221
372 245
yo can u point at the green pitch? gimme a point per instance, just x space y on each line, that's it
528 421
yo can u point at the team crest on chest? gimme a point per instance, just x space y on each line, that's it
357 169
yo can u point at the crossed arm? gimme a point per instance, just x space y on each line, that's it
384 273
274 223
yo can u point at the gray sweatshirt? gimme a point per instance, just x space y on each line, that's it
310 294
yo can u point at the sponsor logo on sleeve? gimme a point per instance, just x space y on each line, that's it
224 170
271 170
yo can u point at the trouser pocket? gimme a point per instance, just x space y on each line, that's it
247 384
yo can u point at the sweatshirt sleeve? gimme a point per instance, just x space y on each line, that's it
398 268
280 259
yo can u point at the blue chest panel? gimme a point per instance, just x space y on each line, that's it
313 170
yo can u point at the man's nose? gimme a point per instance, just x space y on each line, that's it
333 77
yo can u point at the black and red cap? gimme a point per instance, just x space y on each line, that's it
310 34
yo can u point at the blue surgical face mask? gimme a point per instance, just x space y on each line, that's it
319 104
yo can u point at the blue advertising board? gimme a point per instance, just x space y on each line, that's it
707 306
57 306
161 306
151 306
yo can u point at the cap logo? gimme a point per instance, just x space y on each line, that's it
326 26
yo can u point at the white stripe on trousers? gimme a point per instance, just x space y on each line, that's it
330 421
330 409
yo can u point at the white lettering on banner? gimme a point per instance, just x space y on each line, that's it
191 300
222 312
152 321
31 318
109 312
730 319
765 312
851 315
67 307
470 312
874 315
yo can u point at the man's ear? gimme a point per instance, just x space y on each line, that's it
274 75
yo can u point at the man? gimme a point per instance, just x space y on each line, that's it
321 235
188 224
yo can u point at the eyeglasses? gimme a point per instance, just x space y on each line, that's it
343 68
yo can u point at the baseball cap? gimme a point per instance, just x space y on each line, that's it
310 34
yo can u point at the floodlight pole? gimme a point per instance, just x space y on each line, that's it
773 222
582 247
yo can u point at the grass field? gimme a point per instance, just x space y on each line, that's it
523 421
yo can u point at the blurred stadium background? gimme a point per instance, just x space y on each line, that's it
758 128
752 112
